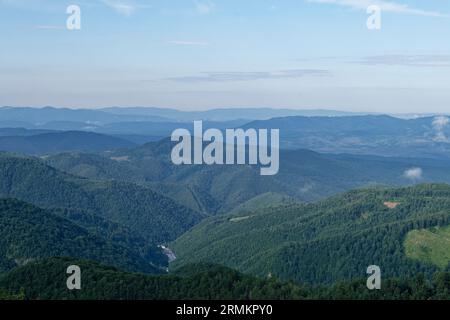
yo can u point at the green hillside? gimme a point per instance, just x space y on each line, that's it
28 233
304 175
335 239
265 200
114 232
146 172
147 214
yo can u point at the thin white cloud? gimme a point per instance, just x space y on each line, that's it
231 76
413 174
187 43
49 27
387 6
120 6
407 60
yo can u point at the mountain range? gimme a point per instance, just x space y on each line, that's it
325 132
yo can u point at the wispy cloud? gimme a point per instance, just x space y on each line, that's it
387 6
439 125
35 5
413 174
120 6
407 60
49 27
205 7
251 76
187 43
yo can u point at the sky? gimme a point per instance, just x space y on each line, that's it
202 54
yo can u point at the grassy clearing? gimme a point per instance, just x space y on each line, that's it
429 245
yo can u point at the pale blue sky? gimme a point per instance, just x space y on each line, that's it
227 53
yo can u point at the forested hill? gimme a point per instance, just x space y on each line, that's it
46 279
28 233
144 212
335 239
304 175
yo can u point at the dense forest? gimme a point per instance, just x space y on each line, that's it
327 241
28 233
46 279
304 175
146 213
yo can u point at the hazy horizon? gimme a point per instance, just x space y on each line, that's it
209 54
318 110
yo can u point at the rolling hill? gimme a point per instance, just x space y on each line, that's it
145 213
304 175
28 233
331 240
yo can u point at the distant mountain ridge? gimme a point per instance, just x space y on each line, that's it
371 135
155 114
57 142
227 114
36 116
320 130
